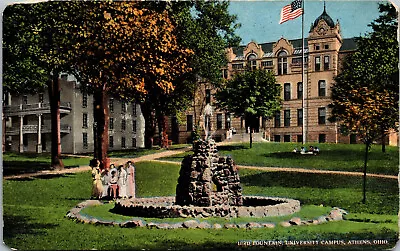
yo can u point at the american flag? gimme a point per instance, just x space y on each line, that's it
291 11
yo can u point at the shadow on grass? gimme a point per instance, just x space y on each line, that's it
232 147
17 225
348 155
320 181
20 167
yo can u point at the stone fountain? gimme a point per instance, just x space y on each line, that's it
208 186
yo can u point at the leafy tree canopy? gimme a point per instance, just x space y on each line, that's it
250 93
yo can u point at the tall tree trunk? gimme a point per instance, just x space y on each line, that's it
383 139
100 114
149 122
54 97
251 137
162 129
367 144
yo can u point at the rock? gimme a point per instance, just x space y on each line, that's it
151 225
204 225
217 226
321 219
176 225
230 225
252 225
132 223
190 224
285 224
268 225
335 215
163 226
295 221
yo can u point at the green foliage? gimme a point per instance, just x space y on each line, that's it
252 93
362 80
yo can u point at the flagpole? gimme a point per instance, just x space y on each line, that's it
304 132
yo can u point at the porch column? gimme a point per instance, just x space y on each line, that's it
39 139
21 135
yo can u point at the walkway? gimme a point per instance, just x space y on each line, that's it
155 156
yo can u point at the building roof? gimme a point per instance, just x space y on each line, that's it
324 16
347 45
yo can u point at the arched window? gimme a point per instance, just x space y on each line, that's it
282 63
252 61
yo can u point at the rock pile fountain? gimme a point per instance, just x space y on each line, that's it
208 186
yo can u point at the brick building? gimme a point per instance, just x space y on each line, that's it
324 51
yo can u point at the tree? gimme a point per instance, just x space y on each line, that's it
35 41
207 29
365 93
250 94
362 70
362 112
128 51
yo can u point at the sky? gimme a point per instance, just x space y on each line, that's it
260 19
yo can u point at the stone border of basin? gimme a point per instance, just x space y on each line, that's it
163 207
336 214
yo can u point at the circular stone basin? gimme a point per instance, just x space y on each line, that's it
164 207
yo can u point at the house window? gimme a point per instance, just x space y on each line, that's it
111 104
133 142
219 121
189 123
227 120
321 138
317 63
286 118
322 88
299 138
316 47
326 63
353 138
84 99
85 140
134 109
134 126
41 97
64 77
123 142
321 115
299 117
123 125
278 119
111 141
25 100
111 123
282 63
286 138
299 90
224 73
286 93
326 47
267 63
85 120
237 66
252 61
25 140
208 96
123 106
277 138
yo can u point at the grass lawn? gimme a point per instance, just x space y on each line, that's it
16 163
338 157
34 211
